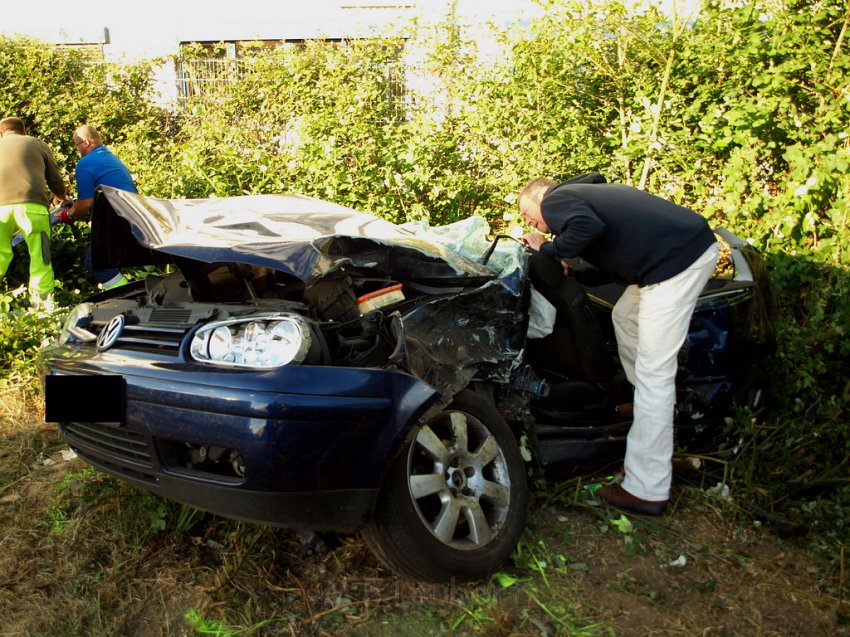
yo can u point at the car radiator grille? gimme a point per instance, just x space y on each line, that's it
111 447
150 338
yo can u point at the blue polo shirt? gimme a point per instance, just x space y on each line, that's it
101 168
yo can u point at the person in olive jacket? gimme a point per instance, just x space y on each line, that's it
27 170
664 254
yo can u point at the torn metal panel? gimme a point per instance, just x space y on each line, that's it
451 339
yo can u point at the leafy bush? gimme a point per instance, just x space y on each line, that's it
740 114
56 90
23 334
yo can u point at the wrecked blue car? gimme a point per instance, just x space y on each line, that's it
304 365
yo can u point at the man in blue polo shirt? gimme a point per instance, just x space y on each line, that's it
97 167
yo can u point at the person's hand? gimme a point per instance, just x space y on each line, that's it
62 215
534 240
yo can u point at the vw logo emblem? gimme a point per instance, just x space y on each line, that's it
110 333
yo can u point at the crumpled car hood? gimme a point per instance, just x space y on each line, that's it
305 237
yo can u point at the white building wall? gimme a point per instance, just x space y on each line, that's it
155 28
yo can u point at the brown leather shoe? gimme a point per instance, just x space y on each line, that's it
617 496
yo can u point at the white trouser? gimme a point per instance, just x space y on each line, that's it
651 324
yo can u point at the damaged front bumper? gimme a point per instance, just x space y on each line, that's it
300 447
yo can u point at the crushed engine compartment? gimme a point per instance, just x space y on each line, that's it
422 329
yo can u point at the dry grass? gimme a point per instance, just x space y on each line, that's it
82 554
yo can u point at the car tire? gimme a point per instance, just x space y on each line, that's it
454 501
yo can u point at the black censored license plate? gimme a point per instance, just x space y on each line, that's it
84 399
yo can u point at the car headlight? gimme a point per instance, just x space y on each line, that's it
265 342
75 327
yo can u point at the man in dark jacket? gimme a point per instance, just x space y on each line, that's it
664 254
27 170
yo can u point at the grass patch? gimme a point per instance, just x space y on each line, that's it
84 554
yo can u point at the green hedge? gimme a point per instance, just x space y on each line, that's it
741 114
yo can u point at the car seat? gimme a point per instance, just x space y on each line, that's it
576 349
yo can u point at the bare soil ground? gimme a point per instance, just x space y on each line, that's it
81 554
